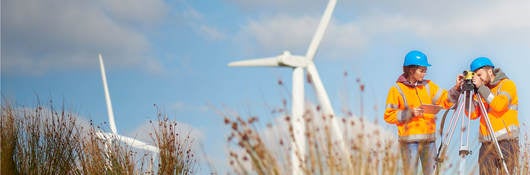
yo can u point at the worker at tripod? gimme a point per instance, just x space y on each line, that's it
500 102
416 125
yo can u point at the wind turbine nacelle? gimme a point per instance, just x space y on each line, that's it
286 59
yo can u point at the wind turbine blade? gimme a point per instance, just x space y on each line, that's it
102 135
323 98
321 29
110 113
137 144
320 91
127 140
271 61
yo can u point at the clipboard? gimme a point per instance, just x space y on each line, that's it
431 109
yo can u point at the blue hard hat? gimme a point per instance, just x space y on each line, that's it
479 63
416 58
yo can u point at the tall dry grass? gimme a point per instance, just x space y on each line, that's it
177 155
255 150
525 158
47 140
258 149
8 136
107 156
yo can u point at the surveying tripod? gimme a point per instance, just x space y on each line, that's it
465 100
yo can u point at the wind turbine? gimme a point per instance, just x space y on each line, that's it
114 132
298 63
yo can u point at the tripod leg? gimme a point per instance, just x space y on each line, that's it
452 125
492 134
464 134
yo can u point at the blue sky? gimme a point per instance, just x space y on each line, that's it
175 54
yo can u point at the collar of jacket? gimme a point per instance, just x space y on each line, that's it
403 79
499 76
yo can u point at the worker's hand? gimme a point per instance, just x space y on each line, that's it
417 112
410 113
477 81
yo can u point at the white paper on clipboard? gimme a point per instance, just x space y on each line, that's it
431 109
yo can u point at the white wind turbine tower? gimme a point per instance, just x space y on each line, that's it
298 63
114 132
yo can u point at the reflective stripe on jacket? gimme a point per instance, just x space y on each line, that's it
501 102
403 96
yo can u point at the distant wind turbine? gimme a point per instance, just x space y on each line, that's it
114 132
298 63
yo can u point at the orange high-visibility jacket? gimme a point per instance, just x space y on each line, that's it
501 103
404 96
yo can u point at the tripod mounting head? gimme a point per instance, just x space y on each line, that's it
468 75
468 81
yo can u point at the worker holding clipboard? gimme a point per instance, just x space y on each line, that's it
411 105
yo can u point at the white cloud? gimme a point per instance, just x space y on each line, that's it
343 41
451 24
41 36
279 33
191 13
211 33
198 22
291 6
139 11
